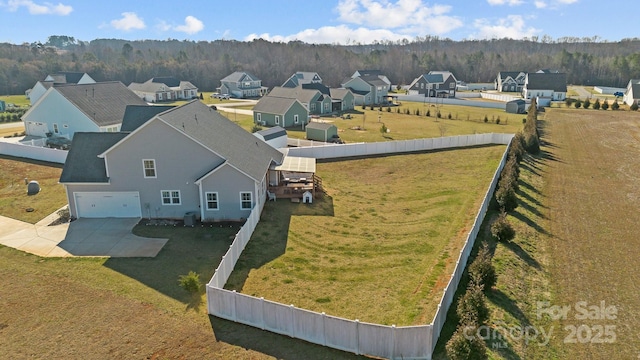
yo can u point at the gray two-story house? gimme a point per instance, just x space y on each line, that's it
434 84
188 159
367 88
313 99
242 85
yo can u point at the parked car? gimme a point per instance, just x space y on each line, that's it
58 142
221 96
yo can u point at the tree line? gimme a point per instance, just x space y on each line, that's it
204 63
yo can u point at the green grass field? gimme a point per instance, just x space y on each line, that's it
18 100
380 246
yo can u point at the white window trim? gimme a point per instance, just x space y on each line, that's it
56 129
170 197
242 201
206 198
259 117
144 169
277 119
295 119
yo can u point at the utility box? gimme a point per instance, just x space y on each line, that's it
190 219
33 187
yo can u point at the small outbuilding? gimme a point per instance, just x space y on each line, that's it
3 106
319 131
516 106
275 136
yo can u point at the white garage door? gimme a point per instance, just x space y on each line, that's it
108 204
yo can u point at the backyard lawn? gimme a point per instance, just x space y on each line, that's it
13 192
380 245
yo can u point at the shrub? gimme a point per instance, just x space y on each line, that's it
389 109
371 107
498 120
380 108
577 104
516 150
418 112
615 106
256 128
428 112
407 111
507 198
481 270
439 115
465 345
634 106
501 228
586 104
486 119
568 101
605 105
596 105
190 282
472 306
532 143
364 107
398 110
449 116
383 129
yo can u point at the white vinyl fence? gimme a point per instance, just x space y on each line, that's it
405 342
500 97
33 152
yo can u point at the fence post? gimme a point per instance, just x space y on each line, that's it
357 337
234 306
393 342
324 330
293 321
262 313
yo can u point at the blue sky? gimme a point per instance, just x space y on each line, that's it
321 21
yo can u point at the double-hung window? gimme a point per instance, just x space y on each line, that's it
149 167
246 202
170 197
212 201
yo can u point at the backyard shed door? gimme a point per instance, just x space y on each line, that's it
107 204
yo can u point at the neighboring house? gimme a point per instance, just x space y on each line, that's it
313 99
275 136
368 89
65 77
3 106
280 111
69 108
302 78
321 131
547 71
545 85
376 73
159 89
510 81
434 84
342 99
185 160
632 92
242 84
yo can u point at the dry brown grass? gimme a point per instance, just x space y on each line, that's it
593 193
13 192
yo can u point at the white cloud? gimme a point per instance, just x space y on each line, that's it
129 21
505 2
512 27
191 26
341 34
37 9
552 4
376 20
540 4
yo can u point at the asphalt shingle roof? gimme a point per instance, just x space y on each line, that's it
83 164
136 115
272 133
301 94
547 81
236 145
103 102
273 105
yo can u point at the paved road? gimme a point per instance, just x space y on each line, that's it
11 125
582 92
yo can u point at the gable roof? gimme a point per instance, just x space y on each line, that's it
301 78
66 77
236 145
317 86
239 76
273 105
83 164
319 125
136 115
368 72
104 102
299 93
338 93
167 80
272 133
373 80
547 81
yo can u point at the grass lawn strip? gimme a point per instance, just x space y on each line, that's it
380 246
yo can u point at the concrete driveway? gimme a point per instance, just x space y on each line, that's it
108 237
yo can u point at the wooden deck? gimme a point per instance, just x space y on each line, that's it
292 190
